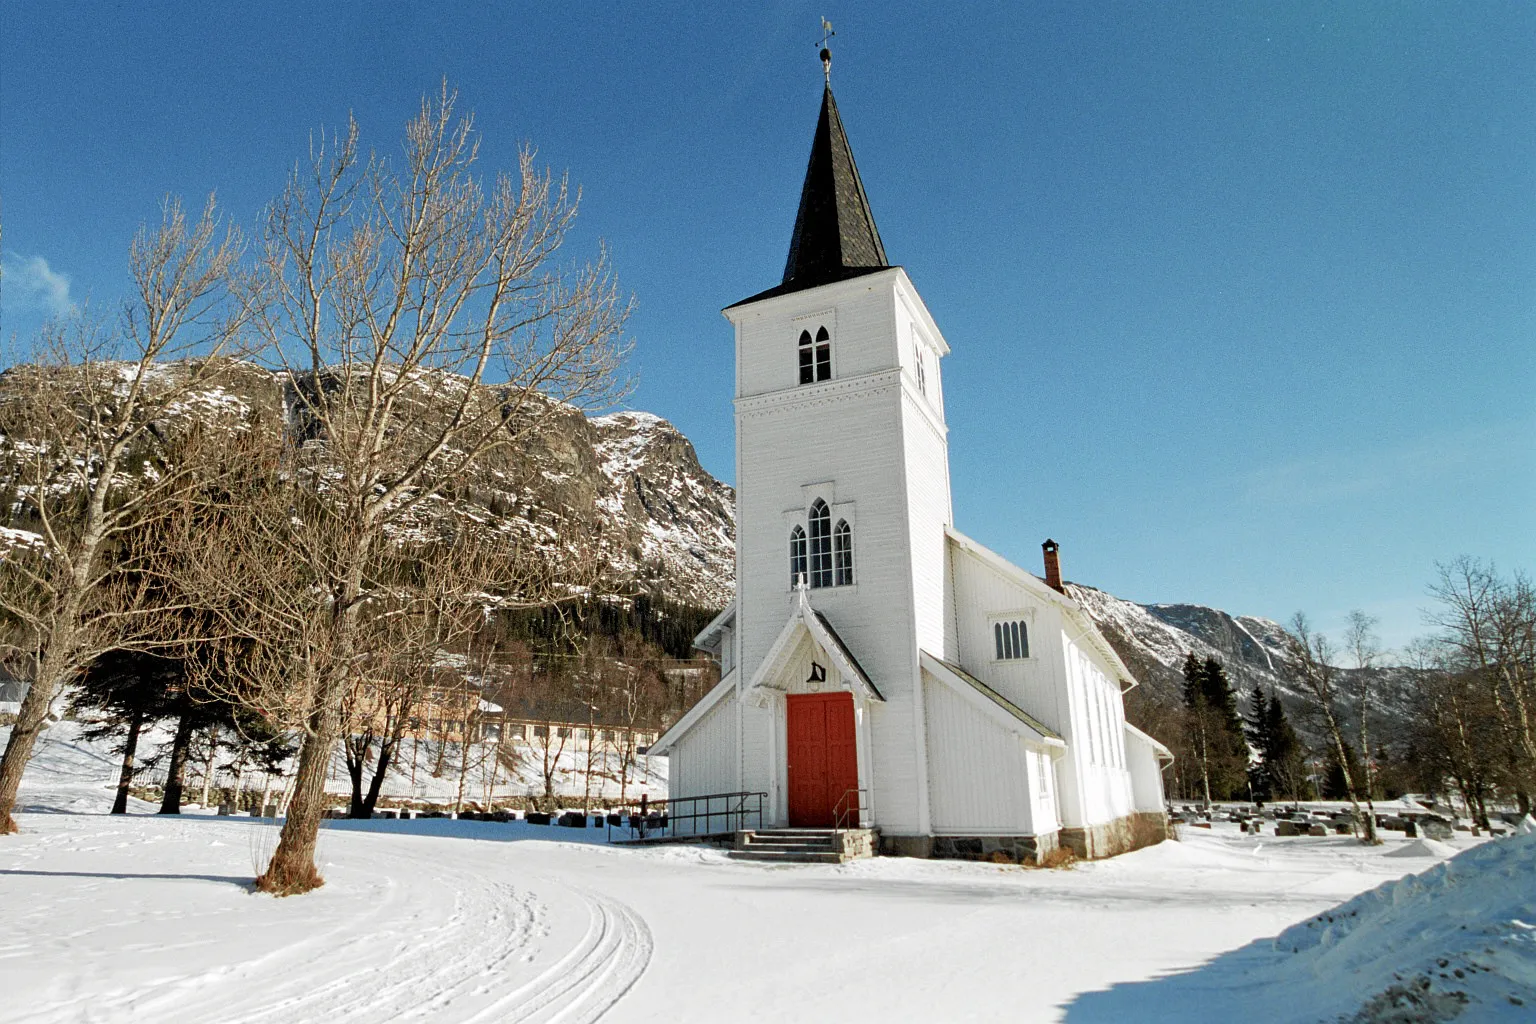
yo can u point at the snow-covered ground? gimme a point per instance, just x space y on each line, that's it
143 918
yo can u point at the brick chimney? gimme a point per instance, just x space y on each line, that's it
1052 565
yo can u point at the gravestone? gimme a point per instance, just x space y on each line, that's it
1437 829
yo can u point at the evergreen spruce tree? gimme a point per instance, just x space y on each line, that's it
1256 727
1227 746
1284 758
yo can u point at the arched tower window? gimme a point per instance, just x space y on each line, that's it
842 554
815 356
797 564
820 522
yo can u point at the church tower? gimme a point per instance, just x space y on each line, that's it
843 499
885 678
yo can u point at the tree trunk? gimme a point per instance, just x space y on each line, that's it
292 869
170 803
458 799
355 757
24 733
213 754
125 776
1370 837
386 755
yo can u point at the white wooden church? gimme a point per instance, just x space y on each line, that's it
879 668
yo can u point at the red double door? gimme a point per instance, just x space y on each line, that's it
823 759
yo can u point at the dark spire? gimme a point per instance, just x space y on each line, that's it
835 235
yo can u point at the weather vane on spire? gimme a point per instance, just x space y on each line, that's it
826 52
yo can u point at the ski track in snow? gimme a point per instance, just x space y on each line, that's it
460 946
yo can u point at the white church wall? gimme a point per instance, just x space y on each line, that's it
858 314
703 760
984 595
928 510
1146 774
1096 748
978 773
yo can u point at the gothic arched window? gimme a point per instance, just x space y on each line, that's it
842 554
1012 640
820 522
797 563
815 356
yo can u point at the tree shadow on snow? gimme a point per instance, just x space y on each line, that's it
243 881
1231 986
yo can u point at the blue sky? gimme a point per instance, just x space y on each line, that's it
1241 297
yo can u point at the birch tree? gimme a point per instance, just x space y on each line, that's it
1361 642
1318 680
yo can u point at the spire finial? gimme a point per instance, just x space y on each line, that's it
826 51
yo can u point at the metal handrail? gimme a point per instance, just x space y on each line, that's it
661 818
844 808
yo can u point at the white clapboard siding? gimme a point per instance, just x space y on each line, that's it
1146 773
978 772
703 760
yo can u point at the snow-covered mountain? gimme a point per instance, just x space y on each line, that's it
1154 639
627 485
630 484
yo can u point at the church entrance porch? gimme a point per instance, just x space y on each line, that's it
823 763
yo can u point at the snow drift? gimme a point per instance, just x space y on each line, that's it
1432 945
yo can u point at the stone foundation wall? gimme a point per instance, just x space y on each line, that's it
1111 838
856 842
1014 849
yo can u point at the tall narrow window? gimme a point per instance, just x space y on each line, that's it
820 521
823 355
807 359
842 554
1011 640
920 370
797 564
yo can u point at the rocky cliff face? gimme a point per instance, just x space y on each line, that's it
1154 639
626 485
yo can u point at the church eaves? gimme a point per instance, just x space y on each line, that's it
835 235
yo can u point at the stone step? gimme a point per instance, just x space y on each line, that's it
788 857
765 846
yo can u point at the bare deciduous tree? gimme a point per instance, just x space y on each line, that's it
95 438
423 323
1318 680
1486 624
1363 646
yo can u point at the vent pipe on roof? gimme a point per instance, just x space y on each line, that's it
1052 565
